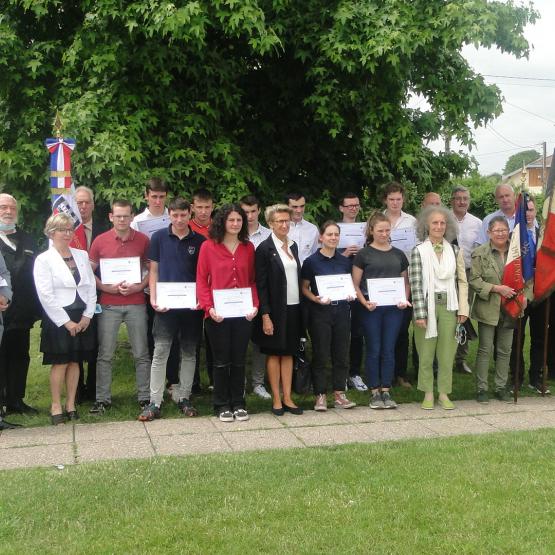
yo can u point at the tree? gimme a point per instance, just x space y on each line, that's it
516 161
250 95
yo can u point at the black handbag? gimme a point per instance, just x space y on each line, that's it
302 375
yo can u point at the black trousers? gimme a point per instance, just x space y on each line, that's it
356 349
88 383
329 327
402 346
535 315
14 366
229 340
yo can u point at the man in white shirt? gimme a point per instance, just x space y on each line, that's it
304 233
257 233
505 198
156 194
468 238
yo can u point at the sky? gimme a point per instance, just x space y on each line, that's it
525 94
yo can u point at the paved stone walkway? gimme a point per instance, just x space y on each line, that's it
80 443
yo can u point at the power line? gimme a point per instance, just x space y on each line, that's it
529 112
478 155
520 78
508 140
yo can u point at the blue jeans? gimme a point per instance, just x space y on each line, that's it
381 328
187 325
109 321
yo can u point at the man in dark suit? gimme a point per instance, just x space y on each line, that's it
84 198
18 250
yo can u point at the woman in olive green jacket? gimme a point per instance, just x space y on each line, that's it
486 274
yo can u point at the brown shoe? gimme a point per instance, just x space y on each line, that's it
341 402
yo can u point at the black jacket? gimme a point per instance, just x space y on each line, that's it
25 308
272 293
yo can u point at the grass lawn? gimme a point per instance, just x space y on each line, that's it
474 494
124 400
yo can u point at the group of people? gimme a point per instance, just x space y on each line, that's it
446 261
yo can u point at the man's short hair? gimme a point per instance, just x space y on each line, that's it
393 187
87 190
202 194
179 203
295 195
122 203
499 185
156 184
250 200
346 196
459 189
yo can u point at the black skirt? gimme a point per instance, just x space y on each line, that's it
59 347
292 334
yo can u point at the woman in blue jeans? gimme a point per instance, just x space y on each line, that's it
381 324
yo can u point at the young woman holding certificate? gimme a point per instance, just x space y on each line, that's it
381 324
329 321
225 265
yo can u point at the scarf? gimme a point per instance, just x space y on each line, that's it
445 271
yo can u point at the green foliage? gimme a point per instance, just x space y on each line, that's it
251 95
516 161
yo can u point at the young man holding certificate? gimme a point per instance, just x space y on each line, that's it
121 255
173 255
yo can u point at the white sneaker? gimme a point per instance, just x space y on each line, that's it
241 415
355 382
260 390
321 403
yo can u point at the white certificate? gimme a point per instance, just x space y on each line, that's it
336 287
386 291
404 239
233 303
149 226
352 234
176 294
116 270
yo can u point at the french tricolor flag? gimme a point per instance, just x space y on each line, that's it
519 267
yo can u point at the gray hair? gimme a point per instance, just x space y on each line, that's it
8 196
271 211
422 222
55 222
498 220
499 185
85 189
459 189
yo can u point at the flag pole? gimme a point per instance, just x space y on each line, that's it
545 344
516 377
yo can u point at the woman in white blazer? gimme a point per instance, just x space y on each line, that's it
67 291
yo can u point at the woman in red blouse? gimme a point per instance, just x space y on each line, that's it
226 261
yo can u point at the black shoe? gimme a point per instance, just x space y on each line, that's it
143 403
278 412
292 410
57 419
100 407
72 415
8 426
20 407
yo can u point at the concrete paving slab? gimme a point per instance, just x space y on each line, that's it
459 426
414 411
119 448
179 426
40 455
313 418
260 421
390 431
109 431
366 414
520 421
261 439
192 444
36 436
330 435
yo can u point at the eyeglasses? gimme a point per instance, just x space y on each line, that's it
282 222
353 206
499 231
65 230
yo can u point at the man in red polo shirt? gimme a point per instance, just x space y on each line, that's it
121 302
